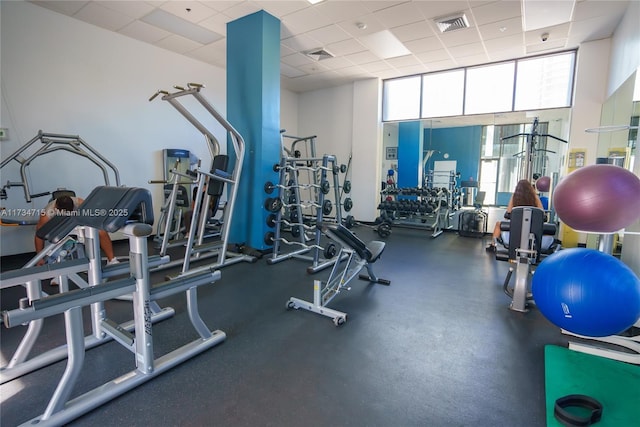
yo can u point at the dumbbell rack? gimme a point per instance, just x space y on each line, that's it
427 209
453 196
288 210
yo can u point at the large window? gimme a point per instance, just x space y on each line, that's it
442 94
523 84
401 99
544 82
489 88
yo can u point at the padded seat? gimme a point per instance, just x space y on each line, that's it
339 232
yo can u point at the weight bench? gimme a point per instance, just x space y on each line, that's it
112 209
354 254
528 238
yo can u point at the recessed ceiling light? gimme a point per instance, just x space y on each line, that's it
169 22
384 44
361 25
315 1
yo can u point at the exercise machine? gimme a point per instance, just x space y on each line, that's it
61 408
353 255
527 239
214 179
52 142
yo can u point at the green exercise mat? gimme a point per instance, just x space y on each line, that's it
616 385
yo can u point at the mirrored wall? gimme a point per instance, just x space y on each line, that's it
488 152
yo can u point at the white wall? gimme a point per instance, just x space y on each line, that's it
61 75
625 49
346 120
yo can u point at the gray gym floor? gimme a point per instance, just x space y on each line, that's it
438 347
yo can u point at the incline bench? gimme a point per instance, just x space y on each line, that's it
354 254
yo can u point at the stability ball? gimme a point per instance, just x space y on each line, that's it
543 183
587 292
598 198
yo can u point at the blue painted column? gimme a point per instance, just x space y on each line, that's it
253 108
410 143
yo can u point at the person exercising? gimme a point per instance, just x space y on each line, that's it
60 206
524 195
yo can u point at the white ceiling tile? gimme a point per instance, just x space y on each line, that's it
504 43
305 20
216 23
346 47
64 7
544 13
497 11
460 37
134 9
592 9
515 51
296 60
555 33
219 5
504 28
434 56
144 32
413 69
403 61
342 10
436 9
329 34
374 5
352 71
192 11
281 8
389 73
472 60
424 45
300 43
441 65
547 46
366 24
591 29
466 50
288 71
336 63
102 17
362 57
402 14
178 44
286 50
373 67
417 30
214 53
241 9
313 68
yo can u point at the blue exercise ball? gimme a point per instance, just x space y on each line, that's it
587 292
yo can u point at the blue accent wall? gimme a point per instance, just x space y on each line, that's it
463 145
253 108
410 141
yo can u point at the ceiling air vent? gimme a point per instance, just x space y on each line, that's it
452 23
318 54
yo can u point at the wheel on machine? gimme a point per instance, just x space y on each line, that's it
291 305
338 321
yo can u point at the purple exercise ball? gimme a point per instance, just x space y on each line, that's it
543 183
598 198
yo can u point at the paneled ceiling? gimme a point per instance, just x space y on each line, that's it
355 40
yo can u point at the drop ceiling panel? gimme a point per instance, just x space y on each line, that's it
103 17
415 31
424 45
144 32
460 37
402 14
64 7
435 9
133 9
305 20
346 47
466 49
497 11
178 44
508 27
192 11
241 9
329 34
